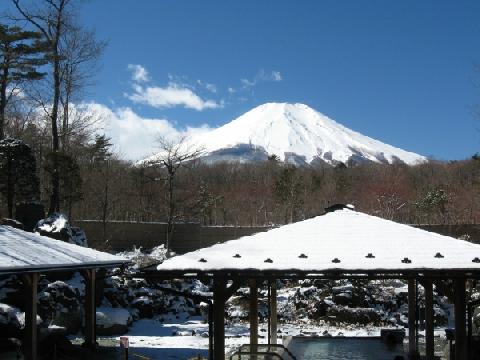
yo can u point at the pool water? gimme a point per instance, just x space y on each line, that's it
344 349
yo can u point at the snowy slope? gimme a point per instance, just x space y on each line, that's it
296 133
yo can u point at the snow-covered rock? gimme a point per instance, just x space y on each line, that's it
10 315
58 227
113 321
142 258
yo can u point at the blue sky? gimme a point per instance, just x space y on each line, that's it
399 71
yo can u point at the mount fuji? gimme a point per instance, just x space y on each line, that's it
298 134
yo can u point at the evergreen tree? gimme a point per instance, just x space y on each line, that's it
21 54
18 177
100 150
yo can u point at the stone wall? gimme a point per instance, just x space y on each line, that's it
187 237
190 236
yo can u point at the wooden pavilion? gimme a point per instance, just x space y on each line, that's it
341 244
28 255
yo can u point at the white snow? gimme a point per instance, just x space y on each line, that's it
345 235
21 250
282 129
58 223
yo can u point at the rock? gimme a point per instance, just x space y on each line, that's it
354 315
12 222
318 310
56 226
11 321
112 321
144 305
71 321
343 298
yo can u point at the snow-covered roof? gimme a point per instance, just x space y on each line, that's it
342 240
21 251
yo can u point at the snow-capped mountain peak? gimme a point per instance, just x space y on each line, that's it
296 133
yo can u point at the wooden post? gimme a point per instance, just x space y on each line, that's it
90 310
30 345
412 310
429 340
273 312
210 330
460 323
253 314
219 287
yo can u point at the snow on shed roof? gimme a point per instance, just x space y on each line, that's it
21 251
343 240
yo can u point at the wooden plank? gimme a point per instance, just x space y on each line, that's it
30 339
219 285
460 319
412 309
273 312
429 340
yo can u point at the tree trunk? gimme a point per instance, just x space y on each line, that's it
55 183
105 204
3 99
171 208
10 186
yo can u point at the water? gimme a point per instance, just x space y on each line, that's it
343 349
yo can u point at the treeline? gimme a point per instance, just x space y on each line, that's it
275 193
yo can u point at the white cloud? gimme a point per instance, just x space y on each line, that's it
134 136
246 82
276 76
170 96
210 87
261 76
139 73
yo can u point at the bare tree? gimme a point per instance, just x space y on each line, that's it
173 155
80 54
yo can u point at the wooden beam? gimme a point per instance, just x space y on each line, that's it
219 288
90 310
30 339
273 312
460 319
429 340
253 315
412 310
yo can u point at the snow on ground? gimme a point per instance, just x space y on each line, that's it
171 338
